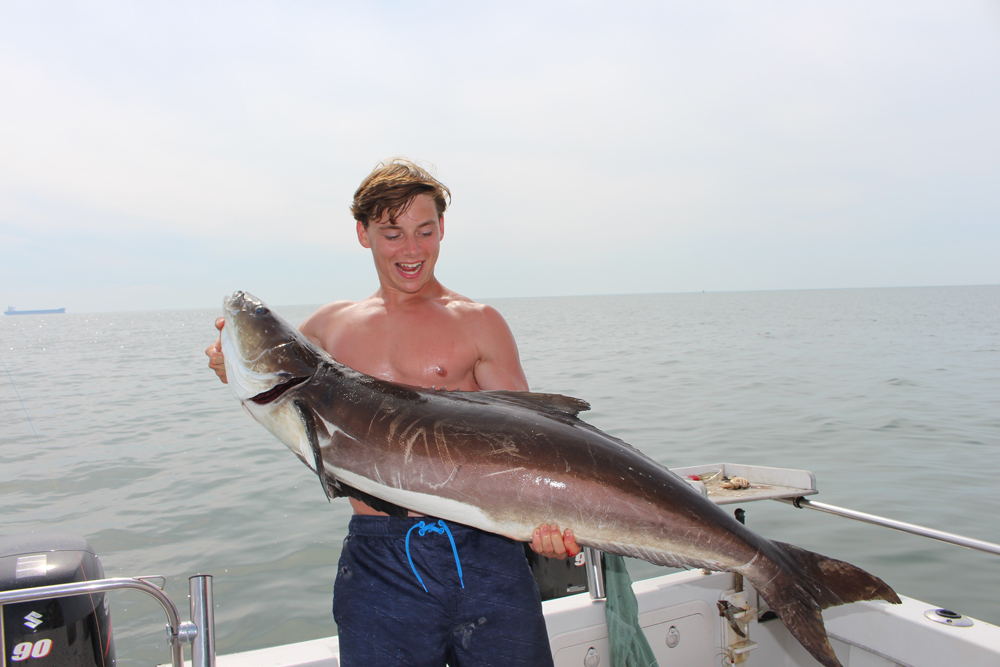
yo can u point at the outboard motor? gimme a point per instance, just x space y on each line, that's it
557 578
59 632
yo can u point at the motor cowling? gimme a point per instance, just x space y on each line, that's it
65 632
557 578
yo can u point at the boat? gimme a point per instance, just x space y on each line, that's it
692 618
11 310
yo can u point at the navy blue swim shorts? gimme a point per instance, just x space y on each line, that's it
423 592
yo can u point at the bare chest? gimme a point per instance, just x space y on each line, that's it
428 351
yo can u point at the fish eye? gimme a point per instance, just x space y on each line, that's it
260 310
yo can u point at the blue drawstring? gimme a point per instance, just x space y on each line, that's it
441 528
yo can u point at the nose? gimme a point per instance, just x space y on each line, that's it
410 245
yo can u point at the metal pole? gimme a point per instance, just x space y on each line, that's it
595 575
203 615
951 538
85 587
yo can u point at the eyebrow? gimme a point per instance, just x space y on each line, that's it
394 225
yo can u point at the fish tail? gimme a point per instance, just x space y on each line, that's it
805 583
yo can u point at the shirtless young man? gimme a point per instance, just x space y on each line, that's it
474 603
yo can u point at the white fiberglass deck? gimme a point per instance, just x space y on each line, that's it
681 609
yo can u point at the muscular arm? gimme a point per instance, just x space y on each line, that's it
499 367
318 326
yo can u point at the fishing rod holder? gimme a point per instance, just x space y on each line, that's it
594 560
199 632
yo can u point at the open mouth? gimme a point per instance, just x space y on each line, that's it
409 270
275 392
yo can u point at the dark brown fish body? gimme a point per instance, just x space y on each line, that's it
507 462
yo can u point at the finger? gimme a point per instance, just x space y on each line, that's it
569 540
558 547
220 322
220 371
552 540
539 544
543 539
536 540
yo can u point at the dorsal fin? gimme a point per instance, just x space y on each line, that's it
564 408
557 403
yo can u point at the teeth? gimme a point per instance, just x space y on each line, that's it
410 267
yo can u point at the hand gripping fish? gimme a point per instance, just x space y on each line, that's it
508 461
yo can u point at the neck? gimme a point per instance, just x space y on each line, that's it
396 298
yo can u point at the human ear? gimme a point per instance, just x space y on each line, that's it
363 235
441 228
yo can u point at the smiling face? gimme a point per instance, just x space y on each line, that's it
405 252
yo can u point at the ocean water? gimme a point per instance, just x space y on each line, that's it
111 426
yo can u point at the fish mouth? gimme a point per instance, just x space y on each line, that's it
231 304
276 392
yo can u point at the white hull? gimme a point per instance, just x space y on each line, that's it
683 606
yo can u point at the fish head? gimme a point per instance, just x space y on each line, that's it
263 353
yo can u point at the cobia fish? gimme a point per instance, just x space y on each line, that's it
508 461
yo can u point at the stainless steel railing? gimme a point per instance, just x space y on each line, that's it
595 574
940 535
199 631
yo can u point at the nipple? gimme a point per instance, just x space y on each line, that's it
440 371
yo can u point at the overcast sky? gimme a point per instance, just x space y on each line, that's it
161 155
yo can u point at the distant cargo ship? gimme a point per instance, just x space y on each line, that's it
11 310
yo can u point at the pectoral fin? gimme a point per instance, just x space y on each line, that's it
341 442
310 423
332 487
